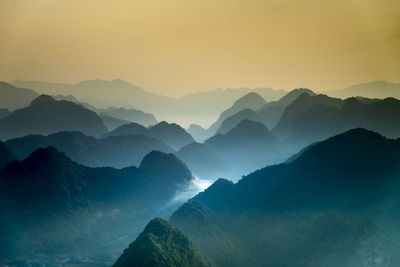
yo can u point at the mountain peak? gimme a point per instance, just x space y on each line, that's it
249 126
161 244
42 99
252 99
45 156
167 164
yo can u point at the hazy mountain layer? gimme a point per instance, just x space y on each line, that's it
46 115
185 110
113 151
245 148
375 89
13 98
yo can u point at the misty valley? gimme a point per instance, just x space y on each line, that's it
276 178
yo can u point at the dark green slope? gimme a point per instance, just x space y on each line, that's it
336 204
52 205
161 245
6 155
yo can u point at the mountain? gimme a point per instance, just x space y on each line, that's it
128 129
248 146
252 101
251 107
13 97
97 92
271 112
113 151
114 117
336 204
112 123
46 115
6 155
171 133
185 110
131 115
375 89
161 244
198 132
4 112
314 118
202 161
231 122
52 205
303 103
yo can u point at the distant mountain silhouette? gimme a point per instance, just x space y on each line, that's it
171 133
112 123
299 106
198 132
128 129
161 245
186 109
46 115
113 151
48 196
114 117
131 115
246 147
6 155
4 112
375 89
232 121
252 101
272 111
334 205
250 107
13 97
314 118
202 161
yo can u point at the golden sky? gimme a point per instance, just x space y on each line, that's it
174 47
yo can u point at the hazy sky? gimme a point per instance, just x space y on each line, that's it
174 47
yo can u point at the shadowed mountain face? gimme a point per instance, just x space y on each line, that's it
4 112
314 118
336 204
113 151
246 147
52 205
6 155
46 115
161 245
12 97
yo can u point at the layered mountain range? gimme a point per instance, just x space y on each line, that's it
50 204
